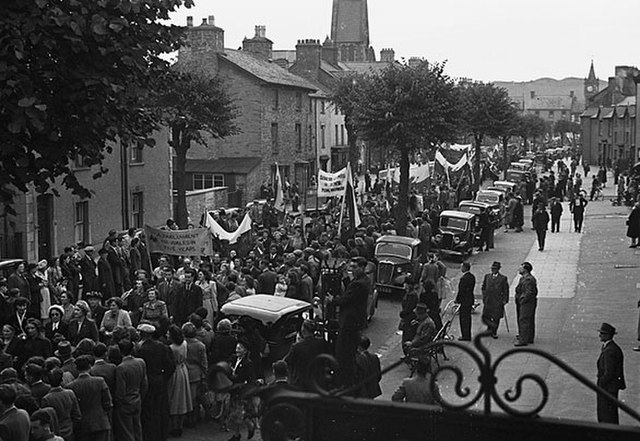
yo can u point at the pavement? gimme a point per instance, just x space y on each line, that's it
584 279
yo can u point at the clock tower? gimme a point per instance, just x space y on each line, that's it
591 87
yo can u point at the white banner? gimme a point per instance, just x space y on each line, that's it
194 242
216 229
332 184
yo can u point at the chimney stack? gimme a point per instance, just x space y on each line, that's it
261 32
189 22
330 52
259 46
308 57
212 20
387 55
532 94
204 43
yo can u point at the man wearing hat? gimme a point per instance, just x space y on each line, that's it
94 299
465 298
610 374
106 283
556 213
495 294
424 326
526 301
88 270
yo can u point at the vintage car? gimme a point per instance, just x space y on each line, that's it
477 208
507 185
7 266
497 201
455 235
517 176
279 319
336 270
519 166
398 259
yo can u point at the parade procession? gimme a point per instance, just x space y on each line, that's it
314 243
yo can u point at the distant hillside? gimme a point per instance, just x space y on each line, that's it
547 87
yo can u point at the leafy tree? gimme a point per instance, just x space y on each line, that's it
562 127
531 127
346 93
407 108
191 106
511 129
74 75
486 110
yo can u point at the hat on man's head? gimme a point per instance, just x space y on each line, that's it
496 265
93 295
31 266
89 249
64 350
42 265
606 328
147 328
422 307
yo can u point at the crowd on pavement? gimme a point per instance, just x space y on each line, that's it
125 345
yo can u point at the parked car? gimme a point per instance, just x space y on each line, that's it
342 266
508 185
279 319
478 208
455 235
517 176
398 259
519 166
7 266
497 201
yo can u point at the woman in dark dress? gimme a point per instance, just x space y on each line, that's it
633 225
55 325
242 375
35 343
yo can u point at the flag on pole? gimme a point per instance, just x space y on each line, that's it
350 198
279 201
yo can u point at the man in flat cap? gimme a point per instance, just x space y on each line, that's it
495 294
610 374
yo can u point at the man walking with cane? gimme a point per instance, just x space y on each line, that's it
495 294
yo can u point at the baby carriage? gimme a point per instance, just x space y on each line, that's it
431 354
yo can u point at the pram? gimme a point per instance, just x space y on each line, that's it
431 354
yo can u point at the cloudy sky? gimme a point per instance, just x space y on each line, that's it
488 40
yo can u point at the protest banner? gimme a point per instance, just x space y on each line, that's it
332 184
194 242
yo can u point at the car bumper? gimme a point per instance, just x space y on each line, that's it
389 289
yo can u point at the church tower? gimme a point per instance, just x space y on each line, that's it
350 30
591 87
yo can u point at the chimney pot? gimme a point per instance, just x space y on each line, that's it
212 20
204 21
189 21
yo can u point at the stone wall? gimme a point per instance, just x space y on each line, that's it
199 201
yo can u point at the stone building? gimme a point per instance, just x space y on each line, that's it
135 191
619 87
276 118
350 30
609 135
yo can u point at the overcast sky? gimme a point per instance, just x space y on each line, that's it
488 40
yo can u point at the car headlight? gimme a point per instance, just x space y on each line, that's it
456 240
398 270
438 237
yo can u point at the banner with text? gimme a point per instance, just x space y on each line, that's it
332 184
194 242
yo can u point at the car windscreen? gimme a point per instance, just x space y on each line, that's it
393 249
453 223
471 209
484 197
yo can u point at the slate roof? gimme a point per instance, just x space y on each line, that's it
621 111
607 112
590 112
549 103
266 71
240 166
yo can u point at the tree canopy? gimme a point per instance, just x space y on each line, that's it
407 108
76 74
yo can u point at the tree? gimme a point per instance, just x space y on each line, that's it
347 91
562 127
74 75
531 126
486 110
191 106
407 108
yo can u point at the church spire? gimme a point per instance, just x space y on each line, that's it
350 29
592 73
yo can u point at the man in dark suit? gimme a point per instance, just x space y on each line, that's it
541 225
167 287
302 353
94 400
266 280
495 294
526 302
556 214
160 367
14 422
577 207
33 375
106 283
465 299
416 389
116 264
88 270
64 402
94 299
18 279
188 298
19 318
610 374
352 318
367 365
131 386
102 368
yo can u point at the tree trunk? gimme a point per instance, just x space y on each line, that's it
526 149
180 146
505 156
403 196
354 155
476 165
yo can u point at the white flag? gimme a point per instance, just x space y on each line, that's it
279 202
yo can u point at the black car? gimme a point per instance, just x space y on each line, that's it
398 259
455 235
478 208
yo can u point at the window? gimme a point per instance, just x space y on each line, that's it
80 162
137 217
81 225
274 138
336 135
276 99
310 105
218 180
204 181
609 128
551 115
342 134
336 110
135 154
309 137
298 137
298 101
322 130
322 109
537 112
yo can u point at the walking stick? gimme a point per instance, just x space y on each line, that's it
506 322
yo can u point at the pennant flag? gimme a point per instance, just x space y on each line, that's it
350 198
216 229
279 201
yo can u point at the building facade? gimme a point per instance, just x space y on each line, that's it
275 115
350 30
135 191
609 136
